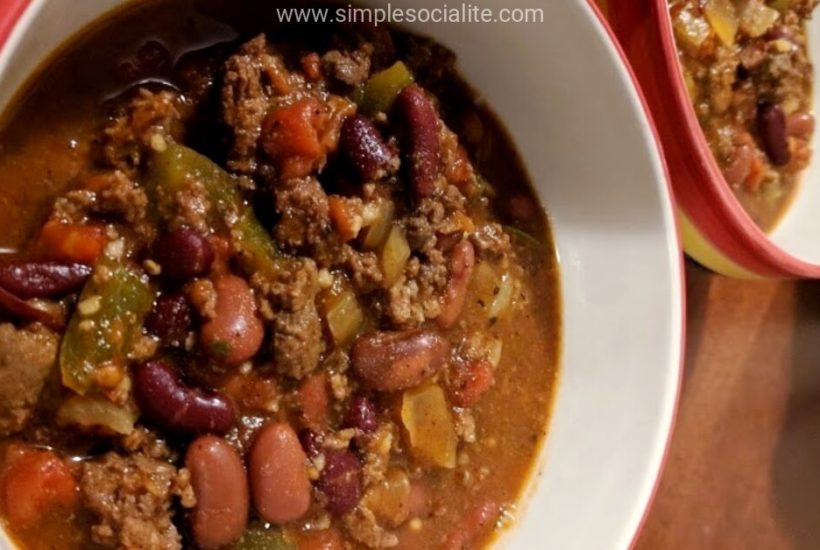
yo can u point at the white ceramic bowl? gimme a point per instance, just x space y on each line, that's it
569 101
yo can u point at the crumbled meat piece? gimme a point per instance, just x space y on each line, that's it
147 442
465 425
122 196
435 216
491 242
192 206
295 286
297 341
377 453
107 194
416 297
297 329
74 206
252 78
27 357
362 267
202 296
362 526
131 498
149 114
351 68
336 364
304 226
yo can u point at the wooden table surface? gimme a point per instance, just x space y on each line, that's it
743 470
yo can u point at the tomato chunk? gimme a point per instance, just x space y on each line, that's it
33 483
290 135
73 242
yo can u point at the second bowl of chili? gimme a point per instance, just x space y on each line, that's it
731 87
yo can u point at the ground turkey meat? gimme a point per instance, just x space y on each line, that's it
27 357
131 496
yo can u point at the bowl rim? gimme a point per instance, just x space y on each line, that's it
713 196
13 12
644 103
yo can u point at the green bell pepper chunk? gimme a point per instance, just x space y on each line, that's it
172 169
106 323
379 93
258 538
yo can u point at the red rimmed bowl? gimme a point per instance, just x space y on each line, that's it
717 231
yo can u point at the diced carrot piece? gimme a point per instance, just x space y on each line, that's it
344 218
34 482
313 399
290 135
328 539
73 242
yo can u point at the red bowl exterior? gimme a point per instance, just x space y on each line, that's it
10 12
703 196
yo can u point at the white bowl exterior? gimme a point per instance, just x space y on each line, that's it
569 102
798 230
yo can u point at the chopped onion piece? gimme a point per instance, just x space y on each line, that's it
394 256
723 19
756 18
428 422
344 316
96 412
503 297
379 219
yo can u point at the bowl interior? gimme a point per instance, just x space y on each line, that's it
569 102
798 229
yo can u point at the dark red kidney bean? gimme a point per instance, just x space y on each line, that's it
366 150
771 125
170 319
424 149
462 263
51 317
235 333
361 414
311 442
277 467
183 254
221 488
394 361
43 279
165 399
341 481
